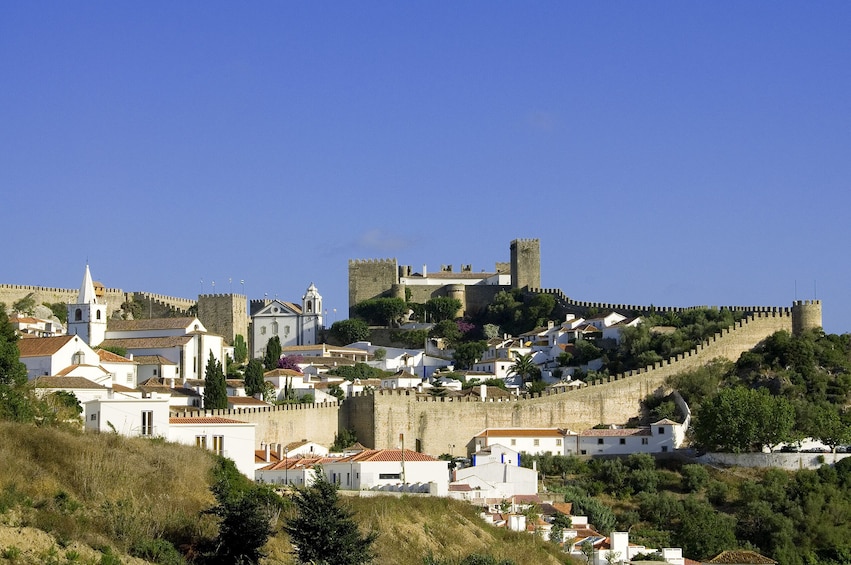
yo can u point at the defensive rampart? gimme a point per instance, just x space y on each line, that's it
11 293
287 422
438 425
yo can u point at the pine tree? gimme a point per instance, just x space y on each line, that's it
323 531
215 387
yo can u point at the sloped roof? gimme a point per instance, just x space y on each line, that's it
387 455
67 382
148 342
147 324
152 360
618 432
283 373
71 368
110 357
43 346
204 420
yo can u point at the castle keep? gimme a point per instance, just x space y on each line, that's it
383 278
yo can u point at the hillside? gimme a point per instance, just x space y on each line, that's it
73 497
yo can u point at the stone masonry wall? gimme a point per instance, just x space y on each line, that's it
440 423
288 422
11 293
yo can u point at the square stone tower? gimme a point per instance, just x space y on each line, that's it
526 263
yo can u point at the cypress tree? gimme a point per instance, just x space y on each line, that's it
254 382
273 353
215 387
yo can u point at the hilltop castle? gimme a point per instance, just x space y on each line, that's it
382 278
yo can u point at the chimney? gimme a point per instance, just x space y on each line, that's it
425 271
266 453
483 391
280 449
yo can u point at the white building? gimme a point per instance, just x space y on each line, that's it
534 441
156 367
661 437
183 341
47 356
223 436
128 414
506 479
293 324
87 317
36 327
401 379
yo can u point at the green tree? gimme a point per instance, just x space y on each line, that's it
240 349
215 387
25 305
246 512
60 310
255 384
323 531
381 311
468 352
350 331
442 308
273 353
524 367
337 392
739 419
14 399
829 426
695 477
379 354
343 439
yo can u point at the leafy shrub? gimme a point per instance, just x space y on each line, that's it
157 550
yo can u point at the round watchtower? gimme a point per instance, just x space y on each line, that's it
806 315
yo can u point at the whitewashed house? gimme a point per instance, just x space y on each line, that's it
36 327
129 414
156 367
390 469
661 437
534 441
47 356
223 436
506 479
122 370
82 388
401 379
183 341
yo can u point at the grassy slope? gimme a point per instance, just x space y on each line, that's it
98 491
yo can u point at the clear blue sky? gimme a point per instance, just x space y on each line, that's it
673 153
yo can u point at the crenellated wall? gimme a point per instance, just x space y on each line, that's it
287 422
11 293
160 305
224 314
436 423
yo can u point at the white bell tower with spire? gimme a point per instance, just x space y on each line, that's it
87 318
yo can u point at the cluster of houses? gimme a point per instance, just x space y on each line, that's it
162 376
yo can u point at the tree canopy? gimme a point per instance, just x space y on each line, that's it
254 381
323 531
350 330
215 387
273 353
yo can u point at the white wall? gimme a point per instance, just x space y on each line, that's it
239 439
125 415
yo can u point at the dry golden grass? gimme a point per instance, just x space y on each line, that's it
103 489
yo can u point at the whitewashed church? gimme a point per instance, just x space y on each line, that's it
292 324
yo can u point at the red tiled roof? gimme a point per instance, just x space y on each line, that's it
71 368
204 420
152 360
110 357
148 342
66 382
283 373
386 455
43 346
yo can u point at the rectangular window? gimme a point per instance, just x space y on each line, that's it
664 449
513 442
201 441
219 445
94 417
537 442
558 442
583 452
600 441
644 441
147 422
129 378
661 430
390 476
623 441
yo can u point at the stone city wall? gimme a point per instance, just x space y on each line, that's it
11 293
285 423
438 423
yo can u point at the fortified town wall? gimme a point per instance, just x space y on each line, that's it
440 425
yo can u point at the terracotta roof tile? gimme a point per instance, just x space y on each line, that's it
522 432
152 360
386 455
66 382
148 342
619 432
204 420
742 557
43 346
110 357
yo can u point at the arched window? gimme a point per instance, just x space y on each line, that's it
275 328
310 306
97 314
78 315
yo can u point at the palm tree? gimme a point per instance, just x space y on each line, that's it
523 366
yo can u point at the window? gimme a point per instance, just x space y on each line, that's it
147 422
600 441
664 449
219 445
97 314
275 328
201 441
262 330
130 378
390 476
93 417
537 442
155 372
623 441
513 441
644 441
78 315
583 452
661 430
558 442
